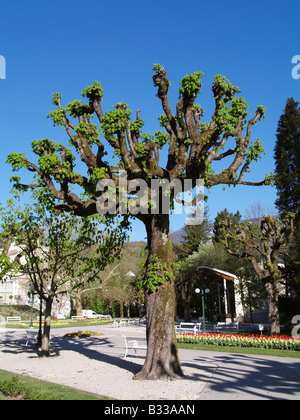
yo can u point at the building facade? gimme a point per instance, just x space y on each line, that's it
15 290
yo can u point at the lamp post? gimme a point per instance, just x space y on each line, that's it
31 301
203 291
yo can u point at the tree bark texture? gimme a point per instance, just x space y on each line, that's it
272 293
162 356
45 351
77 302
186 296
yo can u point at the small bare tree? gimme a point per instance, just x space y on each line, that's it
263 245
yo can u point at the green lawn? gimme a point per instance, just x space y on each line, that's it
243 350
22 387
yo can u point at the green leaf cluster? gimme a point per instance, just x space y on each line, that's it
56 97
158 137
93 91
17 160
255 151
224 84
77 108
228 116
49 163
114 122
136 126
157 67
40 147
157 274
57 116
141 151
98 174
191 84
262 109
89 131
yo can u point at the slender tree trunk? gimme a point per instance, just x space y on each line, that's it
110 309
272 298
186 296
162 356
45 351
121 309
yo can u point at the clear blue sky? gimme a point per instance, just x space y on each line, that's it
66 45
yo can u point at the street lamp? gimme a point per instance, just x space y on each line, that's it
39 337
203 291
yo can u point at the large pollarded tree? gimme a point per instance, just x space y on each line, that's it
193 147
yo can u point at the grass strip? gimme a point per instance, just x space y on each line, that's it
13 386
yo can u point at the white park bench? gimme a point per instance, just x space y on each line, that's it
134 343
74 318
133 321
121 323
189 326
228 327
13 319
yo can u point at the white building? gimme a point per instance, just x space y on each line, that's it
15 290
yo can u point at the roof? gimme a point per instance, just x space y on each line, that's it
221 273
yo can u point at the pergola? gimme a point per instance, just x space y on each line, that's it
226 293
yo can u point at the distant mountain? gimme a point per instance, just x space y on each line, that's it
177 235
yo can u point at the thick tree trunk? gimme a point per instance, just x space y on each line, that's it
77 302
45 351
272 298
162 356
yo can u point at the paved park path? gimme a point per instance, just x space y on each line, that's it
97 365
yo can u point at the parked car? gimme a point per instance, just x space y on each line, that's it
89 314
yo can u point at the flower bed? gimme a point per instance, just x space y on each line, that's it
64 323
239 340
82 334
